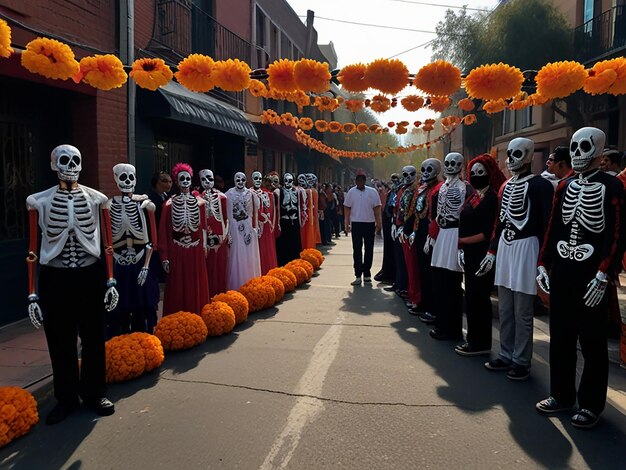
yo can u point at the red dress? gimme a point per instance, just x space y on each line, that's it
217 234
181 242
308 229
268 220
316 220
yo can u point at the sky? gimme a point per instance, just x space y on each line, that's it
356 43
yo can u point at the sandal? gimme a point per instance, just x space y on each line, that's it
584 419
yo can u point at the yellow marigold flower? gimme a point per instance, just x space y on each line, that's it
195 73
387 75
494 82
352 78
18 413
181 330
380 104
125 359
237 302
469 119
439 103
312 75
466 104
277 285
353 105
285 276
617 65
321 125
50 58
412 102
231 75
348 128
5 39
103 72
494 106
151 73
334 126
281 76
305 123
257 88
560 79
218 317
439 78
362 128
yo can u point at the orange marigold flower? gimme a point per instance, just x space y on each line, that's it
349 128
469 119
302 99
50 58
494 82
439 78
520 101
258 294
125 359
287 119
427 127
334 126
352 78
5 39
18 413
299 272
195 73
429 121
277 285
412 102
375 127
466 104
308 267
494 106
312 75
281 76
305 123
104 72
380 103
387 75
560 79
439 103
181 330
391 124
401 130
231 75
321 125
152 349
617 65
286 277
151 73
317 254
218 317
362 128
417 123
599 83
354 105
237 302
257 88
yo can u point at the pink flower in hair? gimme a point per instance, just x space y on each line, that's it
181 167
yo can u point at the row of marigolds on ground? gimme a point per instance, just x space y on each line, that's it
129 356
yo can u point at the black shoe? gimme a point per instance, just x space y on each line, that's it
427 318
414 311
549 406
61 411
436 334
102 406
467 349
379 277
497 364
584 419
518 373
404 295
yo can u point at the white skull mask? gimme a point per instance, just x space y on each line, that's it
207 180
125 177
67 162
431 167
409 174
587 143
302 181
257 179
288 180
478 169
184 180
519 153
311 180
240 180
453 164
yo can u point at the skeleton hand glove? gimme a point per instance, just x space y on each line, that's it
111 296
34 311
486 264
543 280
393 232
411 239
429 243
143 275
595 290
461 258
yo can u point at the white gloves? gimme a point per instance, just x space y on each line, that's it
461 258
595 290
486 264
543 280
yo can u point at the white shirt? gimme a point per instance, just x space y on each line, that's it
362 204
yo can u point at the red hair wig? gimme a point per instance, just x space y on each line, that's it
496 177
181 167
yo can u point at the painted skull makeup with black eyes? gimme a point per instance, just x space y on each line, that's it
184 180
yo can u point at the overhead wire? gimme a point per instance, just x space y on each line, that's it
380 26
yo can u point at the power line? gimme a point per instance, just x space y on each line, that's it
380 26
424 44
440 5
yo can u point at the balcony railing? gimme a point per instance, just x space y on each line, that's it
602 35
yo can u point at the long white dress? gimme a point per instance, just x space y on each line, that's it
244 261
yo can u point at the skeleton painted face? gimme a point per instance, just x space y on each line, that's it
479 177
302 181
184 180
452 164
288 180
409 174
311 180
240 180
275 181
67 162
257 179
431 167
586 145
125 177
519 153
207 179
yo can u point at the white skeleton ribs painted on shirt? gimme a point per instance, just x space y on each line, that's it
185 218
129 229
450 201
515 206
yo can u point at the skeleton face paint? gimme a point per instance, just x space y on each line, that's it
275 181
257 179
409 174
125 177
586 145
453 164
240 180
67 162
519 153
288 180
311 180
302 181
431 167
184 180
479 177
207 179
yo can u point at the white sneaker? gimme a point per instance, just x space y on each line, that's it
356 282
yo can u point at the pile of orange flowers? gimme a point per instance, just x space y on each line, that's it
300 266
152 349
128 356
237 302
218 317
313 256
259 293
181 330
286 277
18 413
5 40
277 285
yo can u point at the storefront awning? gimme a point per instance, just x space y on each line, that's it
204 110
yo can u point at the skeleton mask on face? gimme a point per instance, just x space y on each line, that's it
519 153
207 179
453 164
409 174
67 162
586 145
431 167
302 182
311 180
479 177
125 177
288 180
184 180
240 180
257 179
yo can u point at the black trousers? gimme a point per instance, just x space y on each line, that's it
478 299
388 269
289 244
363 234
72 303
449 306
401 277
426 270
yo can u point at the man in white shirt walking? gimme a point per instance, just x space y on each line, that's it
362 217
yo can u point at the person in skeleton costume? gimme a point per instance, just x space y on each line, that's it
183 247
387 273
133 227
292 217
217 232
443 238
307 231
71 283
525 202
266 221
430 170
401 283
475 228
579 256
311 180
244 261
271 184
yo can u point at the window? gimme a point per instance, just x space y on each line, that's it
167 154
513 121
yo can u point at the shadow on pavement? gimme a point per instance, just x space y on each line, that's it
366 300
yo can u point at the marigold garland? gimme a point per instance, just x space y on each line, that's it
387 75
334 126
362 128
353 105
218 317
469 119
352 78
125 359
349 128
18 413
494 82
494 106
50 58
195 73
103 72
599 83
560 79
151 73
321 125
231 75
281 76
286 277
439 103
312 75
181 330
439 78
617 65
5 40
412 103
466 104
520 101
380 104
237 301
305 123
257 88
277 285
400 130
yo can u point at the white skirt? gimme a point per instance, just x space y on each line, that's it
446 249
516 265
